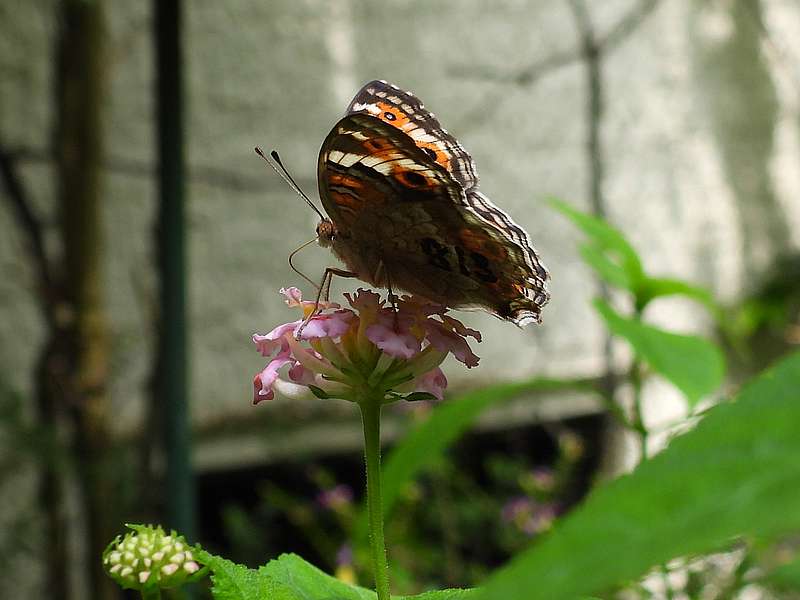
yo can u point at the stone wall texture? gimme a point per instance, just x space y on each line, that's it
699 134
699 143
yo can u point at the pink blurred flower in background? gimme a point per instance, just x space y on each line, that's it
528 516
336 498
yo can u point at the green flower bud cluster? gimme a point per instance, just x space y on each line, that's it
148 557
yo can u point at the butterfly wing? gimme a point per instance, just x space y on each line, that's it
366 165
404 111
402 218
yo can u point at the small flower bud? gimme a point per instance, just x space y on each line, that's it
148 557
190 566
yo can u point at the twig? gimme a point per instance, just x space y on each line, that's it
590 50
627 25
207 174
31 228
604 44
529 75
45 380
772 46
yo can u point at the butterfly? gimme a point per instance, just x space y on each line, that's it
404 212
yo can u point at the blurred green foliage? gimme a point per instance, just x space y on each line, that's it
734 474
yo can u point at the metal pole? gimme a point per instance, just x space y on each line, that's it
172 386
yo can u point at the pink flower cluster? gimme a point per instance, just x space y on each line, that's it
368 348
528 516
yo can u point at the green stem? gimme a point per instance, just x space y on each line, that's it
371 419
638 417
151 592
636 382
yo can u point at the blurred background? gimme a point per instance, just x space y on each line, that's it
142 242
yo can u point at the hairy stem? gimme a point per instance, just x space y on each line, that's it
371 419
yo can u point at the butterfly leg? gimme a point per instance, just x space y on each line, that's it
391 296
323 294
393 302
327 277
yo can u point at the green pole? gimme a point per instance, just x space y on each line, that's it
171 236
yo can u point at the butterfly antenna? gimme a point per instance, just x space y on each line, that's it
298 271
277 166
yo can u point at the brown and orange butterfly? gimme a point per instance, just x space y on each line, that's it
404 212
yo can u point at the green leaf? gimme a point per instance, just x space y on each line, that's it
304 581
655 287
318 392
694 365
607 250
735 474
613 258
236 582
288 577
425 444
608 270
454 594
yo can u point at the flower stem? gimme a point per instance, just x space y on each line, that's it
638 416
371 419
636 382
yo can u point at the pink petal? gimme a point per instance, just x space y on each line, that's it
391 342
294 299
460 328
268 343
299 374
418 308
259 393
365 301
434 382
263 381
331 325
443 339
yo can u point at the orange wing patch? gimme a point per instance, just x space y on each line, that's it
378 145
476 240
351 193
339 179
394 116
435 151
411 178
391 114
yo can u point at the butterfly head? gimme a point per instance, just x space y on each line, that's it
326 233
